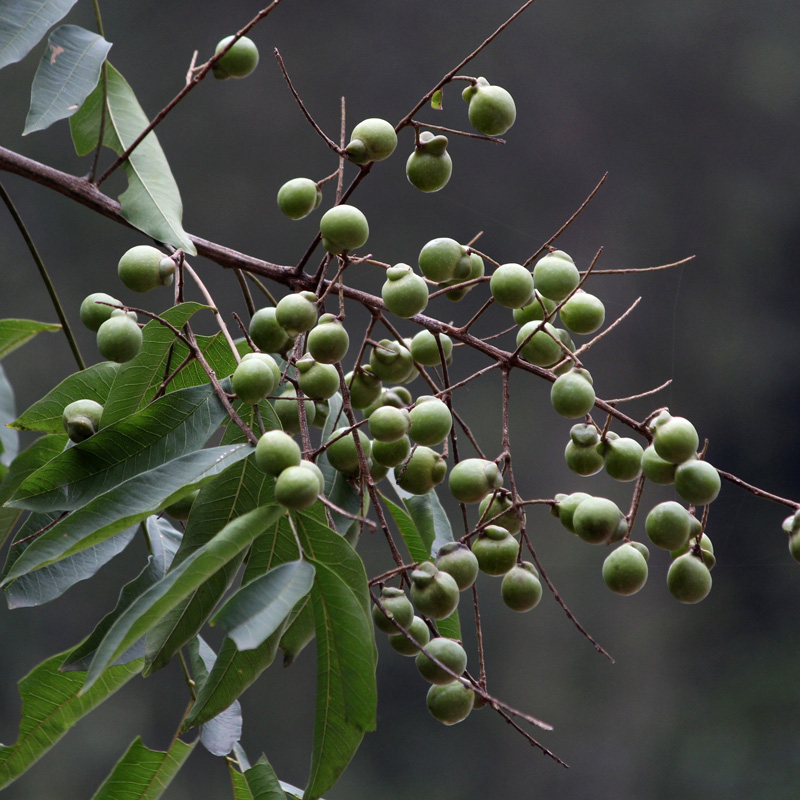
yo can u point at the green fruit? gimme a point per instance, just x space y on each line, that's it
583 313
424 470
511 285
535 311
625 570
343 228
583 460
431 420
472 479
521 589
180 509
92 313
141 270
391 361
239 61
450 653
287 409
425 350
296 488
497 503
377 471
297 313
371 140
543 347
572 394
319 381
298 197
418 630
328 341
642 548
404 292
310 465
276 451
596 520
706 547
269 361
458 560
451 703
119 338
491 108
668 525
365 387
391 454
444 259
675 438
622 458
433 592
496 550
656 468
429 167
396 608
564 508
688 579
555 275
697 482
267 333
477 269
388 424
252 380
81 419
342 452
794 546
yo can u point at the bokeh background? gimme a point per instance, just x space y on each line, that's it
692 109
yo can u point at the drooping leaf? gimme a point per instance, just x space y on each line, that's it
144 774
51 705
69 70
163 541
44 415
23 23
9 439
258 782
299 633
15 332
428 515
156 601
418 548
152 202
172 426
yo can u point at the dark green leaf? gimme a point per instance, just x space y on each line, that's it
258 782
24 23
418 549
429 517
67 73
299 633
51 704
152 202
9 439
15 332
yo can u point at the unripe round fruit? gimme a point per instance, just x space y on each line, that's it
140 269
565 506
622 458
298 197
287 409
425 350
555 275
319 381
688 579
296 488
420 633
706 547
596 520
431 420
92 313
697 482
451 703
297 313
372 139
365 387
477 269
495 504
119 339
511 285
388 424
180 509
267 359
458 560
444 259
342 452
424 470
312 467
397 607
572 395
536 310
521 589
328 341
450 653
675 438
239 61
625 570
343 228
391 361
433 592
267 333
491 108
472 479
276 451
656 468
404 292
496 550
642 548
541 349
668 525
583 460
81 419
252 380
429 167
391 454
583 313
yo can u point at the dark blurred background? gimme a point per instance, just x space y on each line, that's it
692 108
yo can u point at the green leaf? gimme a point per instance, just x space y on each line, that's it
428 515
144 774
123 506
259 782
299 633
51 704
152 202
172 426
418 548
15 332
436 100
23 23
156 601
69 70
9 440
44 415
258 609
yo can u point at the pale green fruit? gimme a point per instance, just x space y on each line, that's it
497 503
239 61
275 451
668 525
458 560
296 488
418 630
451 703
297 313
433 592
697 482
342 451
542 346
93 313
119 338
404 292
267 333
328 340
424 469
81 419
596 520
444 259
343 228
496 550
472 479
298 197
372 139
521 589
491 108
450 653
555 275
425 350
396 608
675 438
688 579
431 421
141 268
625 570
429 167
511 285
